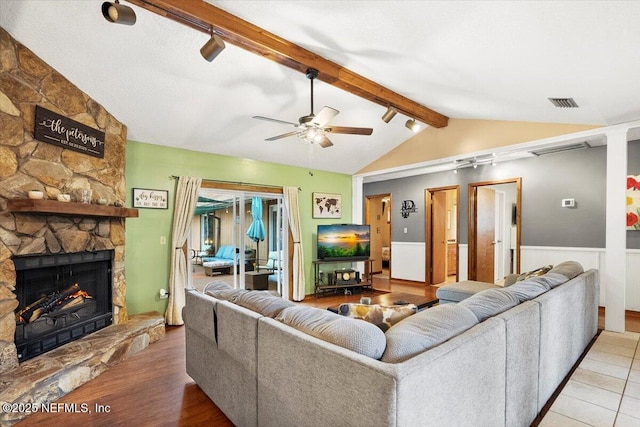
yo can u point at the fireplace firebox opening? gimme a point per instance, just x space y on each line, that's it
62 297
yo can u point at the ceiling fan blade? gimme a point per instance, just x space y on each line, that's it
325 142
324 116
349 130
284 135
269 119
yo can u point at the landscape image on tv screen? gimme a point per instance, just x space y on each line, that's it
339 241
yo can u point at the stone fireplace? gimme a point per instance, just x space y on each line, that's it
27 164
57 232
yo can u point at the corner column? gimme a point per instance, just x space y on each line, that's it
613 277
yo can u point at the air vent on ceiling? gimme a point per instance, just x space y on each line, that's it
561 148
564 102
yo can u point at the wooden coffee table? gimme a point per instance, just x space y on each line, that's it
398 298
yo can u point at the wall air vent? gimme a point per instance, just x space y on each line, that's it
563 102
560 148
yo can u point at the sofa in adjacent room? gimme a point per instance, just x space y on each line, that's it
493 359
222 262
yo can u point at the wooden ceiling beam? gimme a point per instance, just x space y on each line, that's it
205 17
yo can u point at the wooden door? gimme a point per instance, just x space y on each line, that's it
485 232
439 236
377 221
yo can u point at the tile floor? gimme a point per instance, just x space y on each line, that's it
605 388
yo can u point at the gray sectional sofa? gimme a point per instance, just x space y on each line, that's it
493 359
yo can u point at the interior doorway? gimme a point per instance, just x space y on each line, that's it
494 229
378 216
442 235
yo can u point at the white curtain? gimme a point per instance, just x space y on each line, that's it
180 276
293 210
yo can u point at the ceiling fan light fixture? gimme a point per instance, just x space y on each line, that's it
118 13
412 125
212 47
389 114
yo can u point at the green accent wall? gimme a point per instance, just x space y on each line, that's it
150 166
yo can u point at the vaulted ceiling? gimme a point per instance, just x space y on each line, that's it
494 60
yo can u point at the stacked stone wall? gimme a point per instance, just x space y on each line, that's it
27 164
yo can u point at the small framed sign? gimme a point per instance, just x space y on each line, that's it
67 133
151 199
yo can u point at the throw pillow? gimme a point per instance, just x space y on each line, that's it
380 315
361 337
537 272
426 329
489 303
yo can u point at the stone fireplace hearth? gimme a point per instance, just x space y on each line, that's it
59 228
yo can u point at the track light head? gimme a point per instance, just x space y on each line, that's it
118 13
389 114
412 125
212 48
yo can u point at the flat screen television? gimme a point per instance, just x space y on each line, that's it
343 242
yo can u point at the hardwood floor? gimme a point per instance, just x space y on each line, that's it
153 389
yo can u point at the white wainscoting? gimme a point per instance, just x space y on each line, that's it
407 261
536 256
463 262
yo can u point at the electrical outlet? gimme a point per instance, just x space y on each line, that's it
163 240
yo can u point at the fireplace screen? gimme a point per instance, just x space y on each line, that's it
61 298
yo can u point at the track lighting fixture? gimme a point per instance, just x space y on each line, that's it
389 114
118 13
212 48
412 125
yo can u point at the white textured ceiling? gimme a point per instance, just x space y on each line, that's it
497 60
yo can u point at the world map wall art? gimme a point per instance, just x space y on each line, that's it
633 202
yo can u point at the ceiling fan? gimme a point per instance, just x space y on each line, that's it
313 128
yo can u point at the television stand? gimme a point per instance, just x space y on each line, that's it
326 283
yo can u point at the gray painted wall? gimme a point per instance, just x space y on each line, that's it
546 180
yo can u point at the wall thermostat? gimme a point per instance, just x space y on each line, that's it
568 203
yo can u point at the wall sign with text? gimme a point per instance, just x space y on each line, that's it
66 133
152 199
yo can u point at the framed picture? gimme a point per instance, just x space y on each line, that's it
633 202
150 199
327 205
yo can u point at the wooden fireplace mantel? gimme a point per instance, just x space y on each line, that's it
68 208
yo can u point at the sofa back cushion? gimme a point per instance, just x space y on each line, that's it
263 302
425 330
380 315
569 269
489 303
528 289
355 335
228 252
223 291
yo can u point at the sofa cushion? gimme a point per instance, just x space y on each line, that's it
489 303
425 330
528 289
223 291
228 252
461 290
263 302
569 269
382 316
355 335
220 253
